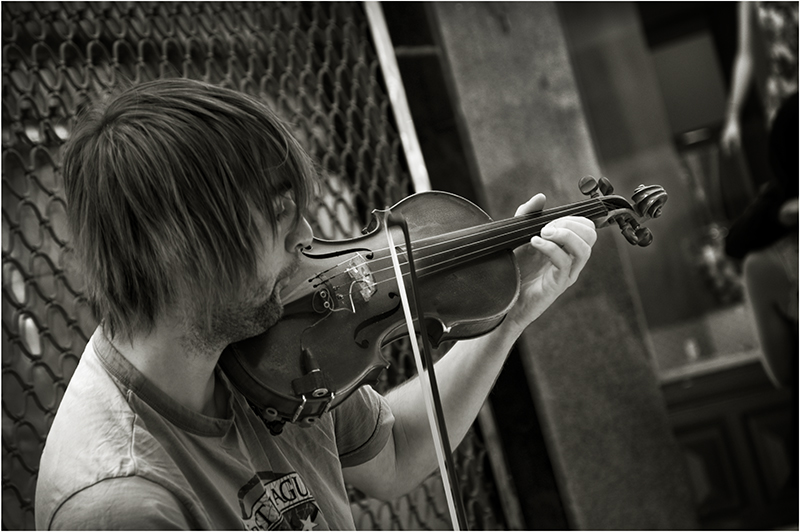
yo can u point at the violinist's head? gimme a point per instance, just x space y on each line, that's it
178 191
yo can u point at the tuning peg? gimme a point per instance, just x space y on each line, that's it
588 186
634 233
606 187
628 231
630 235
644 237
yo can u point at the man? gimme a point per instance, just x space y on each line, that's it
186 204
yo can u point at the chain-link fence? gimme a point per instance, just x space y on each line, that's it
315 65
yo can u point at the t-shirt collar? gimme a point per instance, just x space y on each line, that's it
132 379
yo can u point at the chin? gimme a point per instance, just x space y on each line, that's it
269 313
237 324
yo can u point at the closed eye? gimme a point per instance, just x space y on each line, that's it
284 206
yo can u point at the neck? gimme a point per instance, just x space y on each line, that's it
171 357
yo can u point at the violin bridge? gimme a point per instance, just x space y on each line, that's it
341 291
359 272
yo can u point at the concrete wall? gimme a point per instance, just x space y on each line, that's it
595 391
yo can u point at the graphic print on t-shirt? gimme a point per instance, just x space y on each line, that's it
277 501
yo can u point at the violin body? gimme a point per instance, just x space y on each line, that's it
351 330
343 305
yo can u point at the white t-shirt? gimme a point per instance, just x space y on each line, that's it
122 455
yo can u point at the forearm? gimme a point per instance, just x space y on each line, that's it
742 73
467 373
465 376
743 65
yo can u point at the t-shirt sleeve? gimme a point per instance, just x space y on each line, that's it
363 424
128 503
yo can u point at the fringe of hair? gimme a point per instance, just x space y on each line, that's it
163 182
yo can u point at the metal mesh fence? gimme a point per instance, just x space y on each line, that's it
313 63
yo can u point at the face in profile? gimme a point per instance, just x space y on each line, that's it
259 306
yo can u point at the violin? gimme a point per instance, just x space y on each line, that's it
342 305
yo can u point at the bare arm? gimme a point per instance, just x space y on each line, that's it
742 76
467 372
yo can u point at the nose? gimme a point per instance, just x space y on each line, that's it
300 236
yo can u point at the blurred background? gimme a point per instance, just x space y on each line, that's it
641 400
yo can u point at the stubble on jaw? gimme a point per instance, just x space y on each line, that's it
244 318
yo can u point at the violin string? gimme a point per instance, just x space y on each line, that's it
512 223
549 215
440 265
517 225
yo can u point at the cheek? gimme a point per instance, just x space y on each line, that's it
266 263
256 289
267 274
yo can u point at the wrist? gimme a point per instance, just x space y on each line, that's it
512 327
522 314
732 114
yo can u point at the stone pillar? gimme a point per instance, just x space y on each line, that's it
616 461
626 110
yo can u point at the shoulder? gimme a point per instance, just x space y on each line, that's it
89 440
127 503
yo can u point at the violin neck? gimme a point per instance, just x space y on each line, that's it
445 250
514 232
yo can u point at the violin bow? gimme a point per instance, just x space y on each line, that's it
430 388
